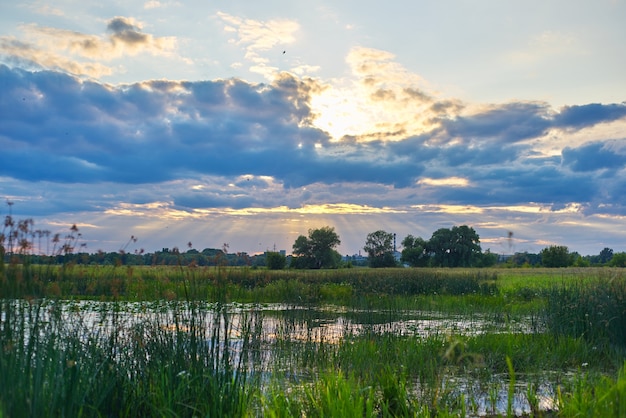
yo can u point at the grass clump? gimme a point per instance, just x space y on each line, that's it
593 309
105 365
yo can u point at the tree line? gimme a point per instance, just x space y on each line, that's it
458 246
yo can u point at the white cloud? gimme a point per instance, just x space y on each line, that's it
263 41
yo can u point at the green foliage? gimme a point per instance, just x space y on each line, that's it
487 259
317 251
196 359
50 367
618 260
524 259
605 255
602 397
456 247
556 256
334 395
414 251
592 309
379 248
275 261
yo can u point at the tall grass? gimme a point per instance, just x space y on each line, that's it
111 367
605 397
233 283
178 355
593 309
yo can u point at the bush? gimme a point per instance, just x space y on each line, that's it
275 261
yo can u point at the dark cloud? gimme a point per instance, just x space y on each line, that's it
121 25
125 31
215 200
59 129
589 115
594 156
508 123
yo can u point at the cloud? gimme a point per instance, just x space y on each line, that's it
576 117
192 150
158 131
258 37
380 100
61 49
507 123
596 156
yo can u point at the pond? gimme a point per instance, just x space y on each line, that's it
282 334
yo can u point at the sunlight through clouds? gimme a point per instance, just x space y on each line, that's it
245 123
450 182
380 101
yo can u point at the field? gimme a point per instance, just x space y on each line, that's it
190 341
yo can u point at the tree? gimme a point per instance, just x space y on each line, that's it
524 259
556 256
414 251
379 249
488 259
618 260
275 261
605 255
317 251
456 247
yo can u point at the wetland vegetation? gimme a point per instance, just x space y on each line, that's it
235 341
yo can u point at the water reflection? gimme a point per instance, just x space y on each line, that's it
268 332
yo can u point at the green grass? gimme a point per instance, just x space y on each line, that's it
186 357
603 397
50 368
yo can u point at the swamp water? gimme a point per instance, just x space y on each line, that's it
267 340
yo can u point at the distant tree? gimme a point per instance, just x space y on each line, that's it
317 251
275 261
524 259
379 249
487 259
556 256
618 260
580 261
605 255
414 251
456 247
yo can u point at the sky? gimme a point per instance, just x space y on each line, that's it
249 123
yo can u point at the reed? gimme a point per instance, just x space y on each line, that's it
106 366
593 396
187 350
593 309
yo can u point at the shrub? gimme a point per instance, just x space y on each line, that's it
275 261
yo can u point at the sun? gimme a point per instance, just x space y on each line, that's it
358 111
339 113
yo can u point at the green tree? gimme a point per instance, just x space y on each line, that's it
605 255
275 261
379 249
318 250
414 251
524 259
488 259
618 260
456 247
556 256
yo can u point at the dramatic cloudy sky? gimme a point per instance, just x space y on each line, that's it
250 122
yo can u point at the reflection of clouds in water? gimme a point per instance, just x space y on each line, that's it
271 325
